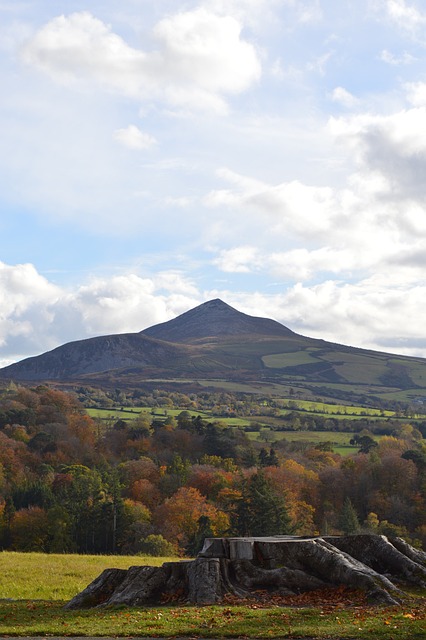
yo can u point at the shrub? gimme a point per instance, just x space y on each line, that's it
156 545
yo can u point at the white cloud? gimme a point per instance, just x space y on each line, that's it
287 208
176 282
405 15
209 50
201 58
36 316
416 93
127 303
81 46
344 257
344 97
302 265
390 58
25 297
373 224
243 259
392 146
133 138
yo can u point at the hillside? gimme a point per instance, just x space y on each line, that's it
216 344
96 355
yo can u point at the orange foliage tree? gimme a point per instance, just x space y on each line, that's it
177 518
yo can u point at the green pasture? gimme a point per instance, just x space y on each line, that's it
34 588
131 413
338 409
340 441
54 576
354 367
281 360
115 413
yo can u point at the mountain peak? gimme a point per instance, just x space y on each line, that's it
216 303
163 347
214 318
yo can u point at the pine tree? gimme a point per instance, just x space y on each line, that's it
261 512
349 522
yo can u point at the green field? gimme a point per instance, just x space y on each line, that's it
53 576
339 441
305 407
333 409
279 360
130 413
34 588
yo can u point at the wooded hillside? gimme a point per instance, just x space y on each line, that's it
69 482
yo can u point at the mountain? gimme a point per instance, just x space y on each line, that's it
168 346
214 344
214 319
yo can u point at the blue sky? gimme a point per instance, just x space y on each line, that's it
155 155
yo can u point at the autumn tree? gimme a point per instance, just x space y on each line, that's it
196 540
29 530
177 518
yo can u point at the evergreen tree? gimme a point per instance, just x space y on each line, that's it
261 512
273 459
263 458
268 459
349 522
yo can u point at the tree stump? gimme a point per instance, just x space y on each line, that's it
281 565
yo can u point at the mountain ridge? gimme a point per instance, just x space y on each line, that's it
153 347
217 343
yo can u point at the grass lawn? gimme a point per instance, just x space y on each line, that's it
35 618
34 588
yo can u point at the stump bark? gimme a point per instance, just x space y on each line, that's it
281 565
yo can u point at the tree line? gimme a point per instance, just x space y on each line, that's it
70 484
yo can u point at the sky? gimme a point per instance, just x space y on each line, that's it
156 155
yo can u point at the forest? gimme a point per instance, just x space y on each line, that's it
70 482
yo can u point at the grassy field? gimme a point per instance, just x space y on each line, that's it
305 407
334 409
340 441
34 588
130 413
55 576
